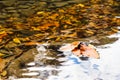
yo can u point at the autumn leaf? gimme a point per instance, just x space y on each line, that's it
40 12
2 64
4 73
31 43
61 11
76 52
1 54
114 29
3 34
0 40
83 49
16 40
69 47
81 5
24 39
89 32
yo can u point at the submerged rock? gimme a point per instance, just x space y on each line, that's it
16 65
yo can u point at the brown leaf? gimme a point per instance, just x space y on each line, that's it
76 52
89 51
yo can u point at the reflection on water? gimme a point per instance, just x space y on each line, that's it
73 68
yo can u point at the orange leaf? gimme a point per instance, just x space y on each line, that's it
3 34
31 43
76 52
89 51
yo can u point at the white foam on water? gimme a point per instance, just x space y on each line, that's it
30 74
40 68
31 64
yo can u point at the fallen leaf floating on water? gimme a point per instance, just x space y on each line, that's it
81 49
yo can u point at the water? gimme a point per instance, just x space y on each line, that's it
105 68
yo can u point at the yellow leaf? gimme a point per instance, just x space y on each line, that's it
35 28
100 16
2 32
1 54
81 5
58 38
16 40
4 73
61 10
41 12
24 39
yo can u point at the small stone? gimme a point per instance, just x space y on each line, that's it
3 10
15 15
2 22
42 4
60 4
12 11
3 16
39 6
26 12
23 6
9 8
8 3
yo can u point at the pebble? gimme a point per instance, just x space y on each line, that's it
60 4
26 12
23 6
2 22
8 3
10 8
3 16
11 11
15 15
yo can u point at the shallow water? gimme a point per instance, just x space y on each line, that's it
105 68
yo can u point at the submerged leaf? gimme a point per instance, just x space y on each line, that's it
1 54
3 34
16 40
81 5
4 73
41 12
